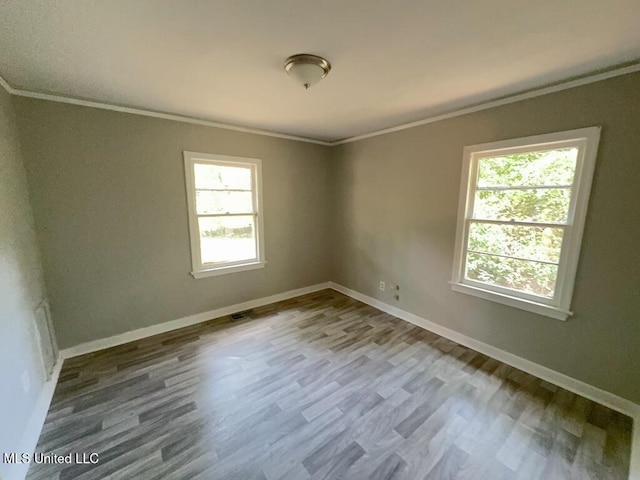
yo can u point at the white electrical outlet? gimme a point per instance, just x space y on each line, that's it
382 286
26 381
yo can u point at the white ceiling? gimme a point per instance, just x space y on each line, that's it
393 61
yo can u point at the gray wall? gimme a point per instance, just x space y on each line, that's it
109 198
21 290
396 199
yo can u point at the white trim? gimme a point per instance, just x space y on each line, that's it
154 114
533 93
4 84
29 441
536 92
598 395
140 333
586 141
200 270
214 272
539 308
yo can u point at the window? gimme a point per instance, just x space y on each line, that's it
522 210
225 222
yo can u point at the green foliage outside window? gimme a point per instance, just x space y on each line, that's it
520 257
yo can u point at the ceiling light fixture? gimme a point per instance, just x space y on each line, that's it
307 69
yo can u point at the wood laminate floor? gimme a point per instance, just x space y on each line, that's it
321 387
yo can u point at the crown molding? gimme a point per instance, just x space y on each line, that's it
4 84
152 113
536 92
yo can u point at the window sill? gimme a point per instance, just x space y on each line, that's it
539 308
212 272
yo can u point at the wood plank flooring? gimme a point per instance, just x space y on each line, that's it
320 387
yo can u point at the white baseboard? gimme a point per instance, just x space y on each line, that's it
29 441
598 395
140 333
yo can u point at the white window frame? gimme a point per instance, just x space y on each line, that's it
558 307
200 270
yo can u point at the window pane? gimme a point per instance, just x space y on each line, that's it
227 239
530 277
550 205
223 202
548 167
533 243
222 177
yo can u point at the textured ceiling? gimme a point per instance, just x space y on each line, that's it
393 62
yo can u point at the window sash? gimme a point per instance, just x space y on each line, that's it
510 291
222 189
520 187
518 223
469 218
253 189
522 259
241 214
233 262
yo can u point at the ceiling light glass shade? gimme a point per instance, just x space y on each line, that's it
306 74
307 70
